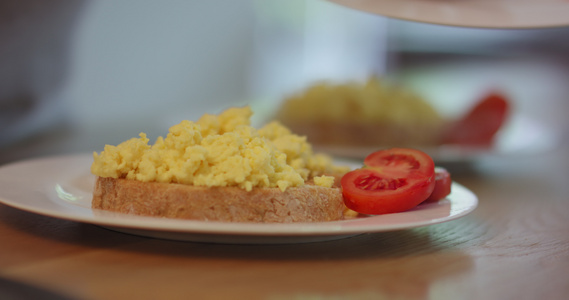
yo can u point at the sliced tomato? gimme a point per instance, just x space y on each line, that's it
479 126
443 184
391 181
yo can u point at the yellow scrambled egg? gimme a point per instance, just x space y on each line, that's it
372 101
219 150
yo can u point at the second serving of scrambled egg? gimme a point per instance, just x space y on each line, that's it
219 150
371 101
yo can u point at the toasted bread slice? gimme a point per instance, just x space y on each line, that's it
306 203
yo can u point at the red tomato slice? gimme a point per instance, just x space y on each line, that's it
391 181
479 126
443 184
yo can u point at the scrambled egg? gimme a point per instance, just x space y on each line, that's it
222 150
370 102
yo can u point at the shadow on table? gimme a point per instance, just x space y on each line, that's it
15 290
446 237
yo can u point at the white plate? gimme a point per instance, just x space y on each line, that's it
61 187
471 13
521 136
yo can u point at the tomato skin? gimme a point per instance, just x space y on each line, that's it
479 126
443 183
374 203
396 161
393 180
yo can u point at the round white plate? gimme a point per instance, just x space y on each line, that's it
61 187
471 13
521 136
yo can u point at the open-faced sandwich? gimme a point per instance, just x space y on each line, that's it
220 168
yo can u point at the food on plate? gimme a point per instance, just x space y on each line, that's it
220 168
443 184
305 203
394 180
479 125
374 113
383 114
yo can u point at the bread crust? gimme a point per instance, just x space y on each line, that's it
306 203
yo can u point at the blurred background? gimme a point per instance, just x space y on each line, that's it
78 74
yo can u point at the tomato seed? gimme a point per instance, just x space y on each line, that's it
370 182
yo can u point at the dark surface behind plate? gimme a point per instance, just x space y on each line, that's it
14 290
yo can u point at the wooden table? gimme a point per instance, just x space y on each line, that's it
515 245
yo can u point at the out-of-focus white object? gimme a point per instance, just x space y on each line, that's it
521 137
471 13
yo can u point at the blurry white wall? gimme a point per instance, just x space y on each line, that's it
141 60
149 64
299 42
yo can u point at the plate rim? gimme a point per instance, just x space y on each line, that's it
488 14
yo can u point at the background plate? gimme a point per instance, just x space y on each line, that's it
471 13
521 137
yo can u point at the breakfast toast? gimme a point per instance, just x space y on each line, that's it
305 203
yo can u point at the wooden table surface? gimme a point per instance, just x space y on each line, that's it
515 245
